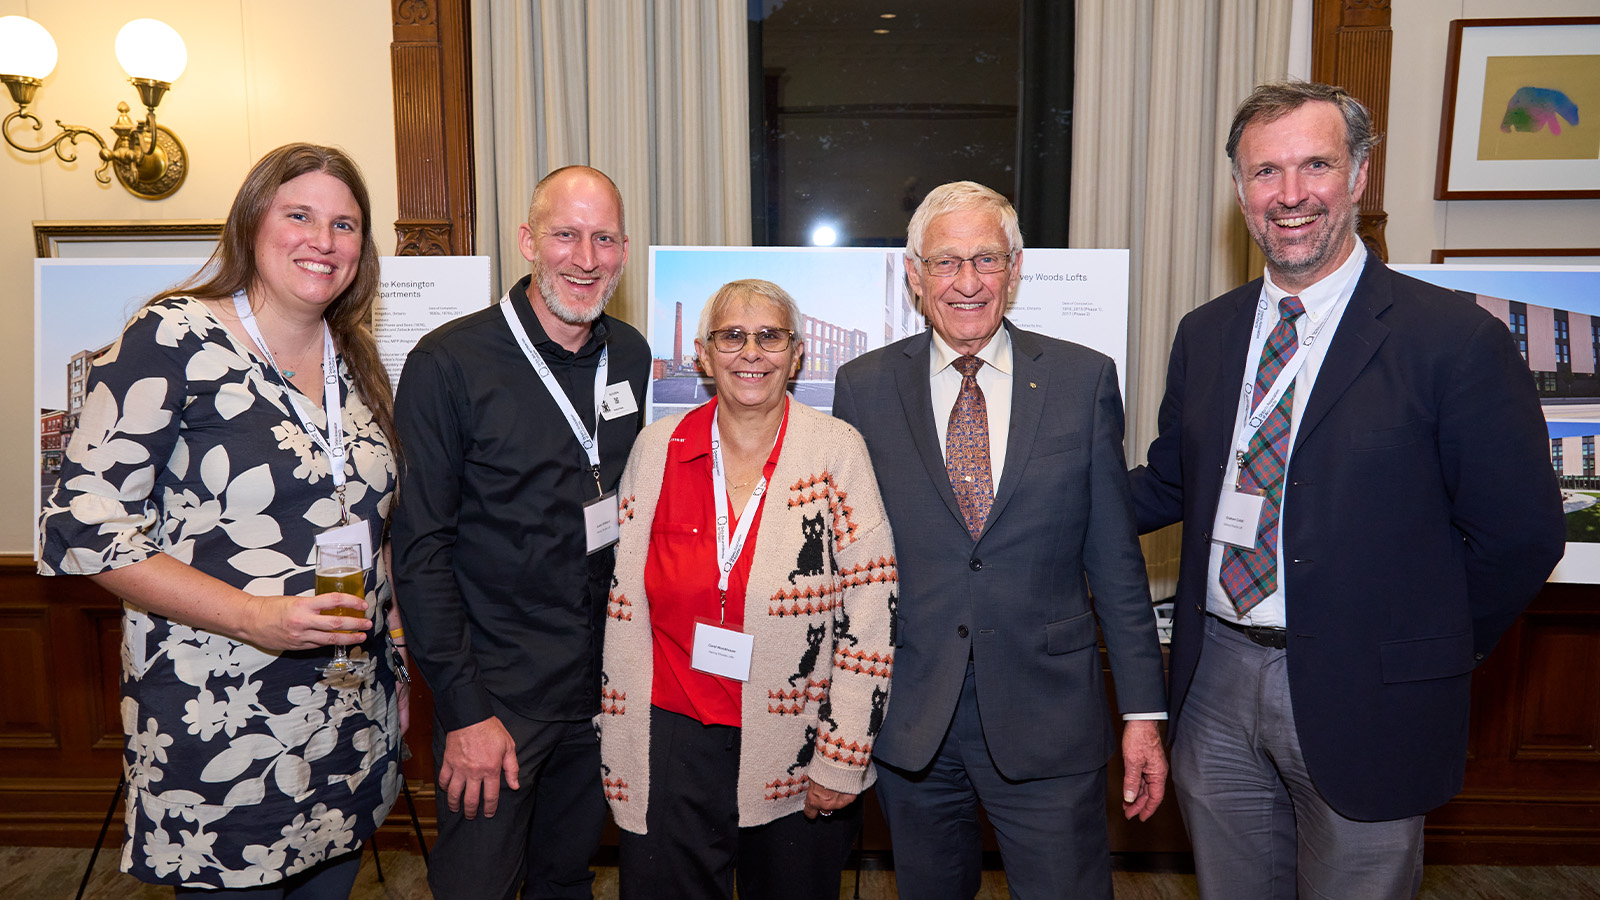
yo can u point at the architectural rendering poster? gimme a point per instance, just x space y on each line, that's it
81 306
1554 315
854 299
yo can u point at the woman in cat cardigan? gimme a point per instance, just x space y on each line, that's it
748 646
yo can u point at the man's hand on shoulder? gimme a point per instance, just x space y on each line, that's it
1144 780
474 759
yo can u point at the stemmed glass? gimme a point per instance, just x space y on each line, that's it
339 571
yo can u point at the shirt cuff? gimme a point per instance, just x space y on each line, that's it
1141 717
463 706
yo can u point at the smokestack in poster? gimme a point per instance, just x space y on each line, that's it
677 338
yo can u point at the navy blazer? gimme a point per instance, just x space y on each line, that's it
1017 599
1420 516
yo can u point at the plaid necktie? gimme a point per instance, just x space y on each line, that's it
1248 576
966 447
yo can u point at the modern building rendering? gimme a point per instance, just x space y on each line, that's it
1562 349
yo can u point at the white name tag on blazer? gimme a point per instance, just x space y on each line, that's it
1238 519
618 401
722 651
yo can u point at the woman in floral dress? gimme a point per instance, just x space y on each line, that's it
194 487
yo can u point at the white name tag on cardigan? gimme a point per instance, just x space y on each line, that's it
618 401
722 651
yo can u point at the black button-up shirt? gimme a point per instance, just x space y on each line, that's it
498 594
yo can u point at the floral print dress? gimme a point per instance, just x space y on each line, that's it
244 765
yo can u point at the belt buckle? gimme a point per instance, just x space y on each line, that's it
1271 638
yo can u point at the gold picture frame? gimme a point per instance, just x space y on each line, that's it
132 238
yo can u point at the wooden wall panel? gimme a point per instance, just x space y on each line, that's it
102 629
433 127
1532 793
1352 46
1556 717
27 705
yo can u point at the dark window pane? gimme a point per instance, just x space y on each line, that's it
851 127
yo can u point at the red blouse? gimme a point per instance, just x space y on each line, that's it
680 573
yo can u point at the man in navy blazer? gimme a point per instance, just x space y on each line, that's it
998 698
1328 618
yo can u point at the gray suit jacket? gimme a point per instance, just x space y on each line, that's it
1017 599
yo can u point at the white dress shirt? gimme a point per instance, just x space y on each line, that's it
1325 303
994 379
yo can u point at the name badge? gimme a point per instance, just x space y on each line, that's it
356 532
600 521
618 401
1238 519
722 651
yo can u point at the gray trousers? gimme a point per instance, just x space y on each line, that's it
1260 828
1051 831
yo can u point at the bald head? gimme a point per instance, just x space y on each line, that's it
571 175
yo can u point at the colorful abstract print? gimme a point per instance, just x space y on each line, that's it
1532 108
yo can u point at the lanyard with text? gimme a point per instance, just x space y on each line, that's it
717 649
600 514
333 443
590 443
1252 416
728 549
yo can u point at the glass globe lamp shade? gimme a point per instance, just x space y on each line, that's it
149 48
26 49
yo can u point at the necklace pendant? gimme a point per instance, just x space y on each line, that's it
286 373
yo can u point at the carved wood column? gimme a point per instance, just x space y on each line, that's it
433 127
1351 46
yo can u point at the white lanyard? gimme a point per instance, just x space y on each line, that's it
1251 417
333 444
590 443
728 550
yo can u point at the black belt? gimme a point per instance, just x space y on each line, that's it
1261 635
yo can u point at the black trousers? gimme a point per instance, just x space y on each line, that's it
538 843
695 849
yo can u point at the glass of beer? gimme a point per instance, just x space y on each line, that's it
339 572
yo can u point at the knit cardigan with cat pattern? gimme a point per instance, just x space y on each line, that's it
821 599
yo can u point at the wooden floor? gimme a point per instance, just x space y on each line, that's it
50 873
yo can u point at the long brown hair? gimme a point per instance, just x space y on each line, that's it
232 266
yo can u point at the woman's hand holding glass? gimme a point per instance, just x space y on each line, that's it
304 623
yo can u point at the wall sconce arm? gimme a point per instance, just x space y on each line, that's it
64 144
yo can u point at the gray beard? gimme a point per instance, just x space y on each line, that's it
546 283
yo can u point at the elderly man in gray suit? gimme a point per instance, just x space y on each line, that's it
999 455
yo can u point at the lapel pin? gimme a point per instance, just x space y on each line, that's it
1032 385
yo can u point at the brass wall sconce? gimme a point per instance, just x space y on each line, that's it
148 158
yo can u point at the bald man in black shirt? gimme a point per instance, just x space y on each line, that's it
516 422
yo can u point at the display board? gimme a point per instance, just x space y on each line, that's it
81 306
854 300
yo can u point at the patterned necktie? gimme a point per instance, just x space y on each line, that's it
966 447
1249 576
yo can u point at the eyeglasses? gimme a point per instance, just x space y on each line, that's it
983 264
732 340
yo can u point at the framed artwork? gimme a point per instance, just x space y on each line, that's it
126 239
1521 116
1575 256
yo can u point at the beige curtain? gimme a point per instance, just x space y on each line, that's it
1157 83
651 92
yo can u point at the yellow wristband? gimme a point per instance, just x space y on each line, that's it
397 633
